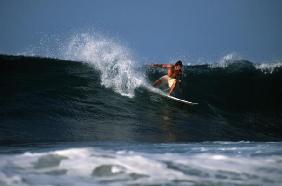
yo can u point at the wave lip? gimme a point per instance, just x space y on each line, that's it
114 62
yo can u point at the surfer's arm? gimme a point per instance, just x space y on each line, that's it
162 65
179 77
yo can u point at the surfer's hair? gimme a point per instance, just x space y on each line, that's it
179 62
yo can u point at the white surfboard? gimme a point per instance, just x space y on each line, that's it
158 91
181 100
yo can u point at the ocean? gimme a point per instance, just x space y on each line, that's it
91 118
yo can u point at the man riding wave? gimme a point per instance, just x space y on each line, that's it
173 72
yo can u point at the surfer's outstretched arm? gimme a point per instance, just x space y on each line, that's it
162 65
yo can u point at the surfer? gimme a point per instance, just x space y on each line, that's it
173 72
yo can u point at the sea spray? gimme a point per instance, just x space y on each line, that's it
115 63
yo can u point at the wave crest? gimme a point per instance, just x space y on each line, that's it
114 62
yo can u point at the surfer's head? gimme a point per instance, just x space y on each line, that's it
178 65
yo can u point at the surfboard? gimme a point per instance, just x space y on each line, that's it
181 100
176 99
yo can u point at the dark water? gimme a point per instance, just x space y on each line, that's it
99 123
48 100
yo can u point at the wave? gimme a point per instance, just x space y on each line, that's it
44 99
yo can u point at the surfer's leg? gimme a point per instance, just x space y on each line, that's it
161 80
157 83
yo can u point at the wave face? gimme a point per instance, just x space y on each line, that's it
51 100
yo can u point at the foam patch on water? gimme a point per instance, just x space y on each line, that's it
228 164
268 67
111 59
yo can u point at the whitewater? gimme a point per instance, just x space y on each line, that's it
210 163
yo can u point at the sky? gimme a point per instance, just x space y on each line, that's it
158 30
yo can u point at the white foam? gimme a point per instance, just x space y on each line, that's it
81 162
111 59
268 67
76 166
